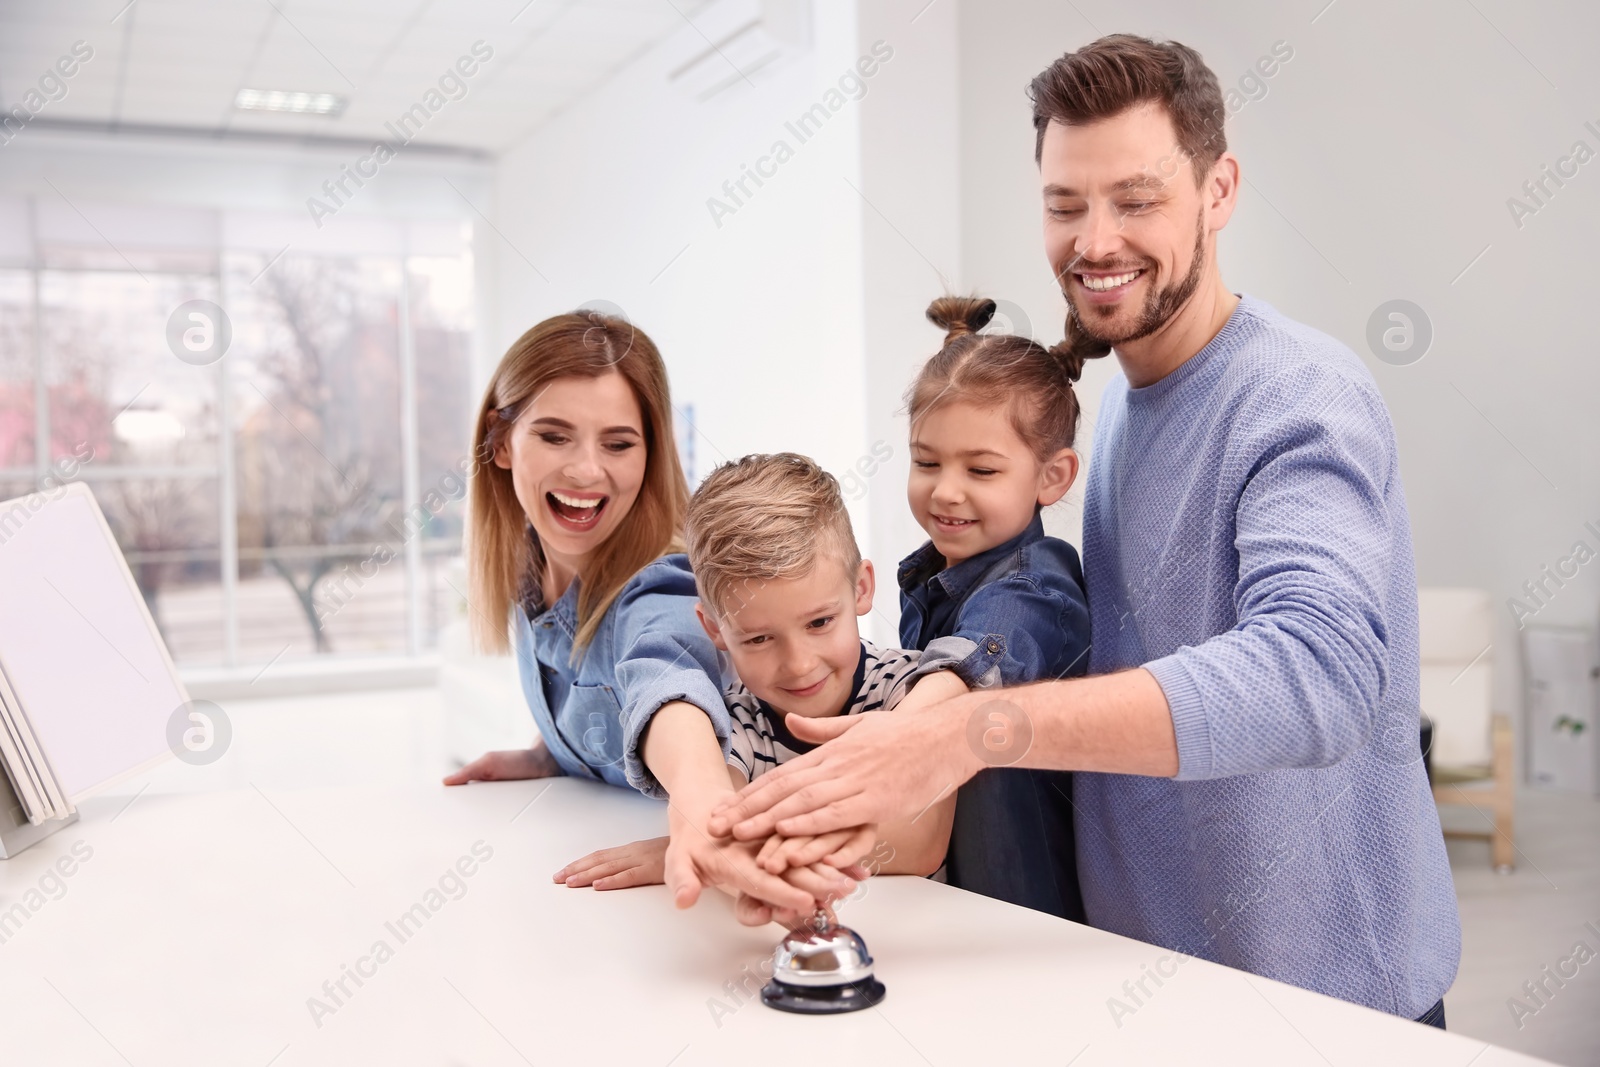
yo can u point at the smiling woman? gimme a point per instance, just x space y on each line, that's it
574 538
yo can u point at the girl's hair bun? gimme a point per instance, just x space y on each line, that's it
1076 347
1068 358
960 315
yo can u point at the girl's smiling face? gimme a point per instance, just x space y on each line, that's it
974 480
577 458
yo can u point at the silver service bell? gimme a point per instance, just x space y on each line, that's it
822 968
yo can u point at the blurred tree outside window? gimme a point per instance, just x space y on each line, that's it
312 559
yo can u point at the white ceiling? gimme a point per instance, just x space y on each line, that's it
179 63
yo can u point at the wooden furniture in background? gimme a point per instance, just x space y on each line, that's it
1473 753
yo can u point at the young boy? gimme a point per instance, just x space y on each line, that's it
781 583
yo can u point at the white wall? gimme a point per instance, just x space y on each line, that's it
910 201
797 322
1378 165
758 313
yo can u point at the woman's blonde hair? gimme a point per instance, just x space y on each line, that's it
504 558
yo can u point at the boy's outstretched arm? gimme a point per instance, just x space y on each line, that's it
681 750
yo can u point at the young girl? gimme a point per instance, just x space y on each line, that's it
993 418
575 518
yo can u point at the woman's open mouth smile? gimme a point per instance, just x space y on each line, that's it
578 512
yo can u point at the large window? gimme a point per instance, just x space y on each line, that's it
298 496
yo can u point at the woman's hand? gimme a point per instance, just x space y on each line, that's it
508 765
623 867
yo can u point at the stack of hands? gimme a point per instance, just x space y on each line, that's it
798 838
773 878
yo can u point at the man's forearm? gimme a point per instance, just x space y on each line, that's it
881 768
1116 723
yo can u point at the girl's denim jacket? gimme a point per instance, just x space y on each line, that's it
650 649
1015 613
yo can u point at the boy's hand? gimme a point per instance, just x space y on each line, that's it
839 848
508 765
623 867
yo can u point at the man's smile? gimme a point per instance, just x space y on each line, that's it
1106 287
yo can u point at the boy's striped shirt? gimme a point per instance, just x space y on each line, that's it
760 739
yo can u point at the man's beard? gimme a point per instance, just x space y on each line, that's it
1158 307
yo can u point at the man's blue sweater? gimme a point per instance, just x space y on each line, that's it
1246 540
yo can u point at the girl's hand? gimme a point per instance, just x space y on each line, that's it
839 848
623 867
508 765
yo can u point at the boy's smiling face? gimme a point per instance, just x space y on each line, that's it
795 641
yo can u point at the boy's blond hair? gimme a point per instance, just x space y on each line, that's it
761 518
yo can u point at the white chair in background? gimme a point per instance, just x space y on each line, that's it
1471 743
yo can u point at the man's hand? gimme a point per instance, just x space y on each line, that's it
508 765
637 863
885 768
872 769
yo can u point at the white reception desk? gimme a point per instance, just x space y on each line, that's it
420 926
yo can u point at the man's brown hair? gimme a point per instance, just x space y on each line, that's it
761 518
1108 76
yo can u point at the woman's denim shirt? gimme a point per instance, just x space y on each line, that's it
1015 613
650 649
